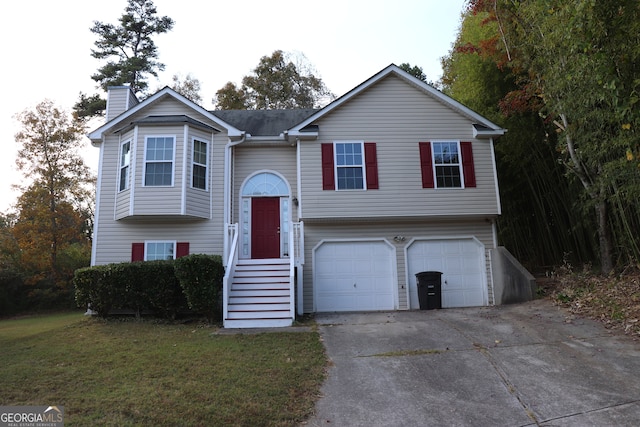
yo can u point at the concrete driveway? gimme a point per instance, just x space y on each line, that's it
529 364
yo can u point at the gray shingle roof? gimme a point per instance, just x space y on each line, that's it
264 122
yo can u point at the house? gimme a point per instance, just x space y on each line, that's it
322 210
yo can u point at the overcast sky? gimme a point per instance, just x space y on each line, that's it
46 48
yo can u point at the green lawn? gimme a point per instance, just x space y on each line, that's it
130 373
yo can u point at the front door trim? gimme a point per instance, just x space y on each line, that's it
263 184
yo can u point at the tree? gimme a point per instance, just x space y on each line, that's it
129 50
586 80
9 250
189 87
52 209
231 97
415 71
89 106
276 83
43 233
540 221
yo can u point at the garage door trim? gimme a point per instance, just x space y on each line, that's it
483 259
392 260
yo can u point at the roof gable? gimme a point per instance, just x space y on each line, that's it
489 129
123 119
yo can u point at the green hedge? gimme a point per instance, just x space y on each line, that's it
165 288
201 280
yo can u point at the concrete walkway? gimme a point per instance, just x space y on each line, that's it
529 364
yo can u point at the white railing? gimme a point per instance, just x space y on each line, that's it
230 260
292 265
298 259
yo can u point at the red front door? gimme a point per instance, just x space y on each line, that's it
265 227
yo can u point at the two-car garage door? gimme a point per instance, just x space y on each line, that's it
354 276
361 275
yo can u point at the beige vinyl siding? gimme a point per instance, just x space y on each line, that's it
123 198
165 106
216 166
170 106
120 99
161 200
396 116
317 232
113 237
123 201
116 238
251 158
198 201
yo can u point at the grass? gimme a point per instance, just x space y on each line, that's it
140 373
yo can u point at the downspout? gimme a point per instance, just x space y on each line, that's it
300 273
494 231
495 175
185 153
227 218
227 177
299 179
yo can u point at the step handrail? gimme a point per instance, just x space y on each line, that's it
298 253
292 265
230 267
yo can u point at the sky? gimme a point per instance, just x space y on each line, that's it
46 49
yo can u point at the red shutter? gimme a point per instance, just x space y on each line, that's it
426 165
137 252
328 174
467 164
182 249
371 165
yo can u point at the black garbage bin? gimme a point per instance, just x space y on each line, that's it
429 289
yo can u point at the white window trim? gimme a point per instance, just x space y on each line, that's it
206 165
147 242
128 166
173 161
363 165
433 164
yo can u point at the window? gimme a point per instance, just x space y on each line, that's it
151 251
447 164
199 166
355 165
159 250
125 159
349 166
159 161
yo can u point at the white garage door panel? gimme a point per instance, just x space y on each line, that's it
354 276
462 263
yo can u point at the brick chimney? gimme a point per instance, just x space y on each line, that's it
119 100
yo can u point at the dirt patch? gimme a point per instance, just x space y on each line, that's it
613 300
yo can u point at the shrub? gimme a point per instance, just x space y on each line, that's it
93 288
162 289
138 286
12 292
201 279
